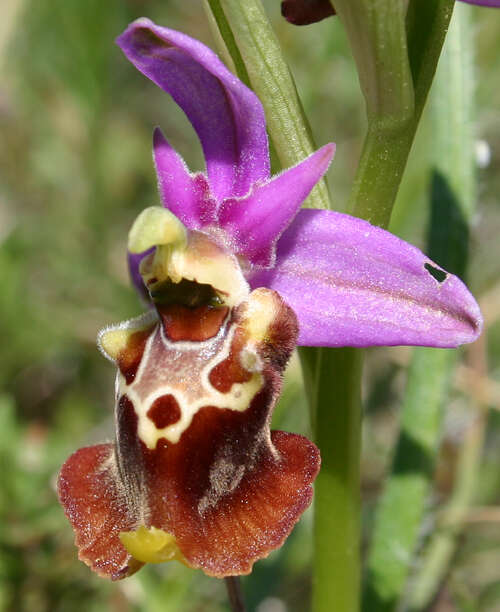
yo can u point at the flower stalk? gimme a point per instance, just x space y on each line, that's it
396 54
390 134
235 594
333 385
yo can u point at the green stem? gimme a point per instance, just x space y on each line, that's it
391 129
333 382
229 47
374 190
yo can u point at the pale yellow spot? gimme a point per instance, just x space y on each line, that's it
260 313
206 263
152 545
250 360
153 227
113 342
200 260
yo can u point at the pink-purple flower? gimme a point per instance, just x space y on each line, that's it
235 271
349 283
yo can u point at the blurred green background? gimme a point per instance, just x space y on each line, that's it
75 169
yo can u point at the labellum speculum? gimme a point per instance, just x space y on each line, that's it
195 474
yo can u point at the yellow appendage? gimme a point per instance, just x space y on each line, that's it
152 545
156 226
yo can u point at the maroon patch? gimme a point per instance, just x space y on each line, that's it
164 411
230 371
194 324
130 357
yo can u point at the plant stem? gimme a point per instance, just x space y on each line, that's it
389 137
231 53
391 131
333 385
235 594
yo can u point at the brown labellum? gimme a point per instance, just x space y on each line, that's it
194 466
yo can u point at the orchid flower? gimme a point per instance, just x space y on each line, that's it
236 272
195 474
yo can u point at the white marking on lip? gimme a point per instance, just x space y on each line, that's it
191 387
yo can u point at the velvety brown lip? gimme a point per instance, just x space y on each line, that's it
223 487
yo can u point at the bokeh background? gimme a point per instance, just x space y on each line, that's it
76 123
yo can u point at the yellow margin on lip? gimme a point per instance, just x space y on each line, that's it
152 545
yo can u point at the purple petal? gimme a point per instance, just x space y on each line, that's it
134 259
353 284
493 3
255 222
227 116
186 195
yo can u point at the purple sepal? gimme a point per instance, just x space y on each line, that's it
492 3
353 284
186 195
227 116
256 222
134 259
